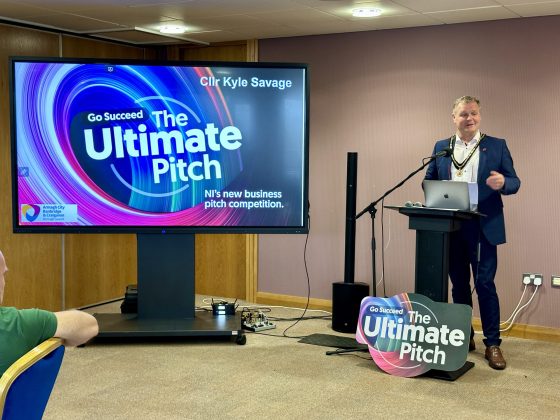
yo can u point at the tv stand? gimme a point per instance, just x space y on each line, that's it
204 324
166 308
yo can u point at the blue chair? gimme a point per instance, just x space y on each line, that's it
26 386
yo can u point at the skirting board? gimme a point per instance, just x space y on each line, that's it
533 332
293 301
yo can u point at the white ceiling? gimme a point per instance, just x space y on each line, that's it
209 21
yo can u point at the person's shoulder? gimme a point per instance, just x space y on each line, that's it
496 144
10 314
10 318
491 139
442 144
7 310
35 313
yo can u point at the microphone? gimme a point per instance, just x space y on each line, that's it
415 204
444 153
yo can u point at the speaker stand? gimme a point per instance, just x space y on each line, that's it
347 295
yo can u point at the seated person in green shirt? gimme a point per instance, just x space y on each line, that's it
23 329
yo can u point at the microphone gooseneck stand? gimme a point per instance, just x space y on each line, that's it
372 210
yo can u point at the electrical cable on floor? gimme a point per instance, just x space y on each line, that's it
517 307
260 308
287 307
308 281
274 318
516 311
305 310
520 309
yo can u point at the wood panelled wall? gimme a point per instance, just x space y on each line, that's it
226 265
34 261
54 271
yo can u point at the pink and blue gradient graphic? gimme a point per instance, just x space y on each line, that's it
385 352
437 341
53 101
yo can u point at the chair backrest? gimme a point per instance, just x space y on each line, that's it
26 386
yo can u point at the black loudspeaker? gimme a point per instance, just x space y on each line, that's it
350 234
346 305
348 295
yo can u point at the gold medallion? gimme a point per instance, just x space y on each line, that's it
459 172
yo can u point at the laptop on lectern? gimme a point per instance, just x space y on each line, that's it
451 195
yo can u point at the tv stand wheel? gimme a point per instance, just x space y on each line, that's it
241 339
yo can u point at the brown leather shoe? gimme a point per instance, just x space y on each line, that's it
472 345
495 358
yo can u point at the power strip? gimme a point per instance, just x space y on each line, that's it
259 327
255 320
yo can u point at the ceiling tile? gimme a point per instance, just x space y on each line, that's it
476 15
225 20
126 16
443 5
139 37
541 9
526 2
73 23
18 10
198 8
295 18
405 21
344 8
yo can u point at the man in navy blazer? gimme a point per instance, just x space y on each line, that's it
486 160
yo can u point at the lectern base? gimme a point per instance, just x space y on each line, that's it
449 375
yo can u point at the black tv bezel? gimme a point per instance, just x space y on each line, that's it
17 228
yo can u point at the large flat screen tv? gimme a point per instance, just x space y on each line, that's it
146 147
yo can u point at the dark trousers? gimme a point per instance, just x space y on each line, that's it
464 256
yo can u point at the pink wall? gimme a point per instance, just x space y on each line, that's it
387 95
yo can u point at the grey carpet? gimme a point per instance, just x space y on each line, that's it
330 340
275 377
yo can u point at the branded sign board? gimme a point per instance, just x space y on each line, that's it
409 334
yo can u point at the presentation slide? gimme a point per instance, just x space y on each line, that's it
142 145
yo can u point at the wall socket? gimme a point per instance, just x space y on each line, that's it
535 279
555 281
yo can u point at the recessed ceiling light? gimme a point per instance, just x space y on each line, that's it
366 12
172 29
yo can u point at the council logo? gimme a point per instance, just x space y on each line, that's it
30 212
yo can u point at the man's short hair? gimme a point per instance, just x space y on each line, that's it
465 100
